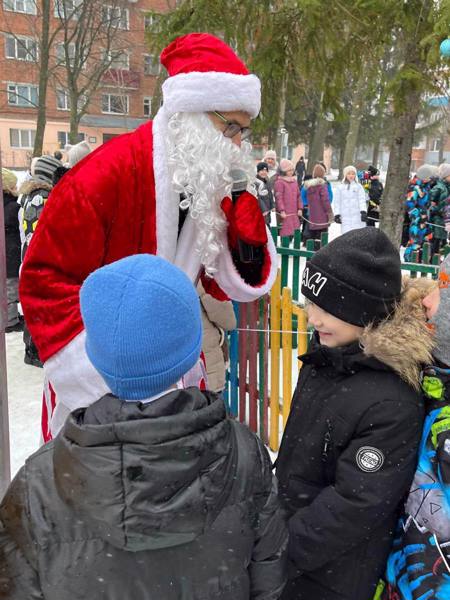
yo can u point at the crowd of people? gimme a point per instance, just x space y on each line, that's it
427 211
304 201
146 488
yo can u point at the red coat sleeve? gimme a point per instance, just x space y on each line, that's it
69 243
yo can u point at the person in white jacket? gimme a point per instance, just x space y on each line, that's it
350 205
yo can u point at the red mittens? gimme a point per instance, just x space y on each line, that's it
245 221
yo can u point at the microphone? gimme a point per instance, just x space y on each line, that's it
247 253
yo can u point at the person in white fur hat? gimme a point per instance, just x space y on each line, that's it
163 189
76 152
350 204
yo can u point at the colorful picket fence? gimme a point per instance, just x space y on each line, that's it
262 376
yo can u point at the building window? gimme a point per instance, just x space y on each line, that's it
117 59
22 138
61 53
115 104
22 6
109 136
151 23
20 48
63 138
62 100
151 65
67 9
116 16
147 106
435 145
22 95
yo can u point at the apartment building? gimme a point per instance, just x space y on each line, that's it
123 100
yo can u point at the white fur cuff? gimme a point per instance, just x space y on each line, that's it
73 377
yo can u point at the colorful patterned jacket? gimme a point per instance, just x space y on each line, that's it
419 564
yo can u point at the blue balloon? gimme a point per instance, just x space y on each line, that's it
445 47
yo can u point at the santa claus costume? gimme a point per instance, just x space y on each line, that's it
120 201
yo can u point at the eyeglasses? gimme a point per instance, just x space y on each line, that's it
233 129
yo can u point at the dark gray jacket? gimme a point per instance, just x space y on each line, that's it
167 500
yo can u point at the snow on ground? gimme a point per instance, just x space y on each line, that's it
25 384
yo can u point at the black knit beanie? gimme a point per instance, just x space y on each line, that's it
356 277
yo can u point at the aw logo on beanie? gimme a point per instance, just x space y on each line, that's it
315 282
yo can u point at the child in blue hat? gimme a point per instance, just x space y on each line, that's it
150 492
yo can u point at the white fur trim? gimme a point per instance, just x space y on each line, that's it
167 202
75 380
202 92
234 286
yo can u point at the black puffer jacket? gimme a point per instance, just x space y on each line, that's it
348 457
162 501
12 234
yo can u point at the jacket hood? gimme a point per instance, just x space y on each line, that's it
403 342
147 476
313 182
34 184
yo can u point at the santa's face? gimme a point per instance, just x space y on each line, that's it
237 117
201 159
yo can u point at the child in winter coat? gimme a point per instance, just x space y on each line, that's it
350 206
151 491
316 191
419 564
34 194
287 198
264 191
12 247
375 192
439 198
349 449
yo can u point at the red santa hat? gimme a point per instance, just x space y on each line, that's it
204 75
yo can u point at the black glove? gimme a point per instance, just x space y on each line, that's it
363 216
337 219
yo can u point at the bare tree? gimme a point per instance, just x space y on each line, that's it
93 45
35 47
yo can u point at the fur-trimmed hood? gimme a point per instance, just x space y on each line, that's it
403 342
31 185
313 182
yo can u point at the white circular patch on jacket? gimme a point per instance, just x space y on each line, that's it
369 459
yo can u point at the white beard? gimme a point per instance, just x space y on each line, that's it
200 159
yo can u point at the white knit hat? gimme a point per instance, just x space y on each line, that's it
444 170
349 169
77 152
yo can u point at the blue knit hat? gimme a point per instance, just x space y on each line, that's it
143 325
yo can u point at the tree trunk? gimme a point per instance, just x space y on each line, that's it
44 52
355 121
74 118
392 207
441 145
281 117
318 142
376 151
341 163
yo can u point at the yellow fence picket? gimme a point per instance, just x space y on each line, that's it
275 308
286 343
